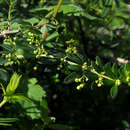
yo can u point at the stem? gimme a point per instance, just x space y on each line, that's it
3 102
104 76
53 16
9 14
44 35
57 8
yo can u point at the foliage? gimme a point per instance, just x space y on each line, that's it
69 53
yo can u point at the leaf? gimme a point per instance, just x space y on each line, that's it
32 20
77 58
43 29
108 71
1 14
44 110
116 23
2 61
3 74
36 94
70 78
35 91
21 97
98 61
115 69
5 124
60 127
74 67
52 36
70 8
114 91
8 119
7 47
5 121
15 26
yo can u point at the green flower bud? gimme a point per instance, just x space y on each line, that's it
76 80
99 84
14 38
127 79
78 87
35 68
117 82
96 81
29 39
100 78
86 79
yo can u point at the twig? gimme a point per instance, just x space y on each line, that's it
8 32
53 16
44 35
57 8
40 25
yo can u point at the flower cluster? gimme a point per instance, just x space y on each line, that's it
71 47
99 81
84 66
82 80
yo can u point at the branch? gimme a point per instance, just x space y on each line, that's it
8 32
44 35
57 8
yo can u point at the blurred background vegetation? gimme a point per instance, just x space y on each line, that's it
96 28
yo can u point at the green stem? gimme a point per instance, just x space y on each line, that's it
3 102
104 76
9 13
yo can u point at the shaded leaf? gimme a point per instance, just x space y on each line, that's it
61 127
114 91
70 78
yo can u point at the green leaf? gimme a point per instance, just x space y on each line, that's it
6 121
7 47
1 14
108 70
98 61
77 58
15 26
21 97
36 94
74 67
5 124
52 36
114 91
44 110
32 20
43 29
115 69
70 78
35 91
60 127
2 61
70 8
3 74
116 23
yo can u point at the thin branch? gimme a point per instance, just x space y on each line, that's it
44 35
57 8
40 25
8 32
3 102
